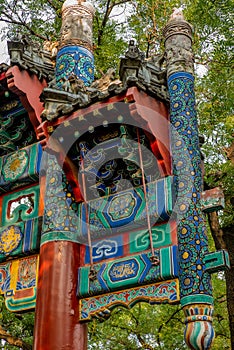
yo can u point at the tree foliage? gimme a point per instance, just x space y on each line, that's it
115 22
16 330
156 327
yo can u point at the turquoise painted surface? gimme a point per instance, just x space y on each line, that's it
217 261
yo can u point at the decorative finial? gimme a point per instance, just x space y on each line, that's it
178 44
75 51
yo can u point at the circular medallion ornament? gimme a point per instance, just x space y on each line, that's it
10 239
122 206
15 165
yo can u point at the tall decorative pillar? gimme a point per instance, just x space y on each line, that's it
57 307
75 54
195 285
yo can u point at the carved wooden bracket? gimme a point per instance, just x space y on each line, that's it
29 88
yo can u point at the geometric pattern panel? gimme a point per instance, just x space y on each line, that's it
19 239
127 272
18 280
101 306
126 210
131 243
20 168
20 205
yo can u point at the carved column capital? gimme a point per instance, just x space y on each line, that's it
178 46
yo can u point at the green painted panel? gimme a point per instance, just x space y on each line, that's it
166 268
140 240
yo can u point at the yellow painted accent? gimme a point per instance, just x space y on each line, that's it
182 207
14 274
37 269
14 165
185 255
66 123
50 129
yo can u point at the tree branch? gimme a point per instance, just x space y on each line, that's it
216 231
56 8
165 323
14 341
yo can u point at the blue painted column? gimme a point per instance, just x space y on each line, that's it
195 282
75 54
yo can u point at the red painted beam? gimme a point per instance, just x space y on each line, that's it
29 88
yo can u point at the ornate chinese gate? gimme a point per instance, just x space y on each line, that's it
117 217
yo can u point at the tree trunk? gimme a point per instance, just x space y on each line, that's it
229 239
224 239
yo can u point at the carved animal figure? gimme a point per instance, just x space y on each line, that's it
103 83
76 85
177 14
